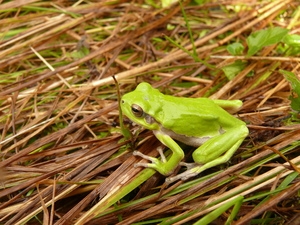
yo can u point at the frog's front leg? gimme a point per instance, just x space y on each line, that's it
213 152
164 167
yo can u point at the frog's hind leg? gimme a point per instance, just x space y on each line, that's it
196 168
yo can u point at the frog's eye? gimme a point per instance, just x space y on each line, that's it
137 110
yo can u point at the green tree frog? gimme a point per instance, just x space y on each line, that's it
200 122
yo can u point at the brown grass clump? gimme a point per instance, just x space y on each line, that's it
63 157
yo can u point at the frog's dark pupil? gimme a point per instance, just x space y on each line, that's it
137 110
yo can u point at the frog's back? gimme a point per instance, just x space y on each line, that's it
194 116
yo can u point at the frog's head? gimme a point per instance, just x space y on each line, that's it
141 105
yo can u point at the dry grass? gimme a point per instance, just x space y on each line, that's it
61 151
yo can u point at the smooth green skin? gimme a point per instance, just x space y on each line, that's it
199 122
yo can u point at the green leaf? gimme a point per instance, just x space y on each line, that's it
167 3
292 40
233 69
295 92
262 38
80 53
170 27
235 48
199 2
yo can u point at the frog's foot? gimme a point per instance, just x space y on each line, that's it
193 170
137 153
188 165
155 162
161 153
152 159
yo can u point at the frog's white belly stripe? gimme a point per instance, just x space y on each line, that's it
191 141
